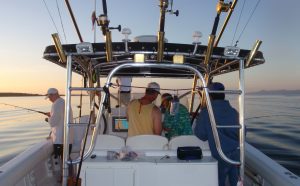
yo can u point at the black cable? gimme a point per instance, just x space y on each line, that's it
105 123
107 99
83 148
104 119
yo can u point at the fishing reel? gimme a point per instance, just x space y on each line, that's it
171 10
223 7
103 21
117 28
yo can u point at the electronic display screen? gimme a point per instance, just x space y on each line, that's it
120 124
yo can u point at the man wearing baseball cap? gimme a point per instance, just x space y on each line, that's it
225 115
143 116
56 120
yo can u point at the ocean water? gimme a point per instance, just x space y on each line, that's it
273 124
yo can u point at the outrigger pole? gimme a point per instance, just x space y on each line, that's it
80 39
226 22
37 111
74 21
221 7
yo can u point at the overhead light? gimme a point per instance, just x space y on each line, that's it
84 48
179 59
139 58
231 51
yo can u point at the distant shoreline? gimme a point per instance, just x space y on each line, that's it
275 92
10 94
14 94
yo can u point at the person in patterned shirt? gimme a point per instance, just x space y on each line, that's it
175 124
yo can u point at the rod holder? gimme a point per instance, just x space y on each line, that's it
253 52
161 33
59 48
160 49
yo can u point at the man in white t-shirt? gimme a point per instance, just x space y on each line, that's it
124 84
56 121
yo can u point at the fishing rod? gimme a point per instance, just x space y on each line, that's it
44 113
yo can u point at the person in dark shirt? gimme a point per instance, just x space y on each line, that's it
224 114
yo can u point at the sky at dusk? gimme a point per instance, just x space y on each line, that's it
26 29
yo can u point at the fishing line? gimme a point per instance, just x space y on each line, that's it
49 13
33 110
238 23
113 85
255 7
62 25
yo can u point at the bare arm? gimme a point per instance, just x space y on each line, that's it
156 116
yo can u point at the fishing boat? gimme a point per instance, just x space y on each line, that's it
101 137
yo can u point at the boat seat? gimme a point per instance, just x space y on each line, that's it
147 142
108 142
188 140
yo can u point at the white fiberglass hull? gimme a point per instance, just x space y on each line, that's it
35 166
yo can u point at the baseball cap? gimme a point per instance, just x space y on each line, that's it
51 91
216 86
154 87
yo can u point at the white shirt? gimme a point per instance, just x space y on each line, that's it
124 83
56 121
